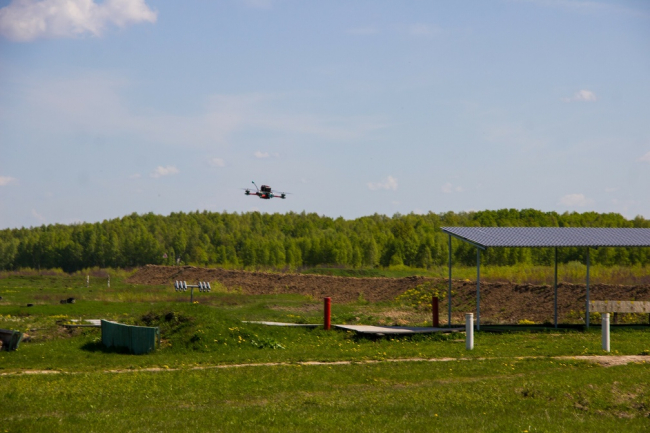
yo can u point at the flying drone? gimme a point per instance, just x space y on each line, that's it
265 192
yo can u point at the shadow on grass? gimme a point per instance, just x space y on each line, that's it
98 346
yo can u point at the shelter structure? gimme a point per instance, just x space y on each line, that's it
541 237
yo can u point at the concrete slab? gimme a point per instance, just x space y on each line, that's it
303 325
395 330
87 323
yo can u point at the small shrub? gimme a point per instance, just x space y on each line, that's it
420 296
266 343
525 322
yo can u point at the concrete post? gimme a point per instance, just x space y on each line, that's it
605 326
469 331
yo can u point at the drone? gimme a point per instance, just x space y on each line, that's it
265 192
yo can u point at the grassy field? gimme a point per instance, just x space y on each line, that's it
573 272
207 374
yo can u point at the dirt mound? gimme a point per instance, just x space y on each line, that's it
340 289
500 302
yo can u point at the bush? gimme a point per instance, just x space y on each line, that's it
420 295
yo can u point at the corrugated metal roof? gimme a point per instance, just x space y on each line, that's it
552 236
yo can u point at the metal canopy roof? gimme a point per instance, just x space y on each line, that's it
551 236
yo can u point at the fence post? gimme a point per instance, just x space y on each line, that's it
469 331
605 331
435 313
327 320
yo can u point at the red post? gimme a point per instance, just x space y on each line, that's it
327 322
434 312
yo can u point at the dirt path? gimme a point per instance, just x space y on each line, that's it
603 360
501 302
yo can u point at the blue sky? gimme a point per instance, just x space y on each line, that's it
362 107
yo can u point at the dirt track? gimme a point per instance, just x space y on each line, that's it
500 302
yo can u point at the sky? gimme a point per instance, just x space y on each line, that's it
120 106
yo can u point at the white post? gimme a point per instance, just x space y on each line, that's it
605 326
469 331
87 281
109 281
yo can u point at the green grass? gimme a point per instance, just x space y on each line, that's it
573 272
460 396
510 382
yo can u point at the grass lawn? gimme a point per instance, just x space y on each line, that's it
511 382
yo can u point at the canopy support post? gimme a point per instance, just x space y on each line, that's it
587 297
478 289
449 289
555 289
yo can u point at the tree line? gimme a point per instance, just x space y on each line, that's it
253 240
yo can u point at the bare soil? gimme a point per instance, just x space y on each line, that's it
605 361
501 302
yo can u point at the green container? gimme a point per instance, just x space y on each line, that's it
137 339
10 339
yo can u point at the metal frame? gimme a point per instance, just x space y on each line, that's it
480 247
181 286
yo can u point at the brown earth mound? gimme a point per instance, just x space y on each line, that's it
501 302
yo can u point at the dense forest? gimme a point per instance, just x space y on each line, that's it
294 240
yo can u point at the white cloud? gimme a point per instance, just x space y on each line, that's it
99 102
514 136
217 162
389 184
575 200
582 96
161 171
37 215
260 154
422 30
645 158
7 180
589 7
26 20
448 188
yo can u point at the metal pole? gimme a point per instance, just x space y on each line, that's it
449 291
587 297
469 331
327 322
191 295
605 337
478 289
435 318
555 287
